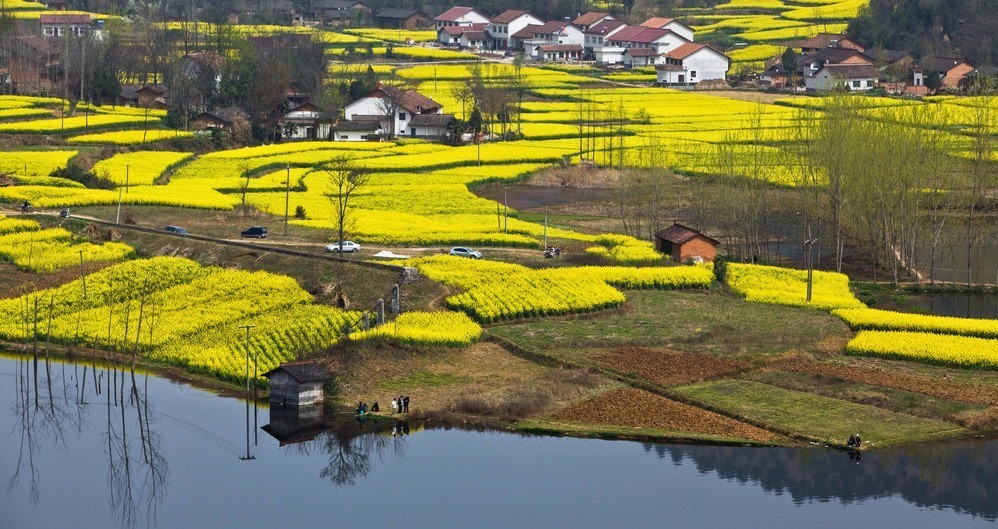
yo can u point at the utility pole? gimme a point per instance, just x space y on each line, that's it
545 228
287 198
247 327
505 214
126 177
83 274
810 266
117 217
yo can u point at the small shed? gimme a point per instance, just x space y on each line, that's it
683 242
297 383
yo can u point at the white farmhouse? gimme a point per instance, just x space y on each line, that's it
659 40
596 35
392 107
670 24
854 77
692 63
509 22
460 16
306 122
554 32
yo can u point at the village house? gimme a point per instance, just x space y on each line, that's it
596 35
474 36
532 36
297 383
330 13
432 127
509 22
828 40
392 107
222 119
402 19
358 129
670 24
853 77
33 63
683 243
809 65
307 121
460 16
637 57
624 38
59 24
559 52
776 76
952 71
692 63
586 21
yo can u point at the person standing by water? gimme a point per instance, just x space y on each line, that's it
405 403
395 406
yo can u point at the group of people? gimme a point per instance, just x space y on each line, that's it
552 251
855 441
400 405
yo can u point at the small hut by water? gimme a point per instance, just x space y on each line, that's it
683 242
297 383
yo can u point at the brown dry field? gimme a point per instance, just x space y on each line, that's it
669 368
484 374
634 408
928 385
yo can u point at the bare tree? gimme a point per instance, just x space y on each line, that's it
389 105
344 180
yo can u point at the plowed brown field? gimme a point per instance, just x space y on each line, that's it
634 408
669 368
936 387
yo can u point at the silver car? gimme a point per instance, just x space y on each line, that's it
461 251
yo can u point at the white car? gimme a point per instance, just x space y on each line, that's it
348 246
461 251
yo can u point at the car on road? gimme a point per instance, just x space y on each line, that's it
176 229
259 232
461 251
348 246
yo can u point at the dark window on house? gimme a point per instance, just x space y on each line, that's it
402 116
857 84
693 75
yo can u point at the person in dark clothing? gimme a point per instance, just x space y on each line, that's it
374 407
401 405
405 403
858 441
852 440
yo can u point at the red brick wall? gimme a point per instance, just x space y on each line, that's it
697 246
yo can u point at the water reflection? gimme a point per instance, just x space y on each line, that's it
351 447
960 476
48 405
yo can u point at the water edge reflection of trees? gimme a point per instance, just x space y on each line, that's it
959 476
49 407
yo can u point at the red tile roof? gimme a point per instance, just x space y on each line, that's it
547 28
657 22
64 19
605 27
561 47
410 100
454 13
509 15
641 52
688 49
589 18
678 234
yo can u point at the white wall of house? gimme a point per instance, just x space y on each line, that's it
465 42
446 39
560 56
503 31
683 31
467 19
668 42
826 80
608 54
372 106
570 35
702 65
426 132
639 61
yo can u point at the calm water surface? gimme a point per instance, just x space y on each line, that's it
155 453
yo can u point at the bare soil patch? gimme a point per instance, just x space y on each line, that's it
669 368
635 408
934 386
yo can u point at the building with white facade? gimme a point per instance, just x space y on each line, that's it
392 108
853 77
692 63
509 22
670 24
460 16
531 37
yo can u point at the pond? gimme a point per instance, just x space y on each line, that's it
88 447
